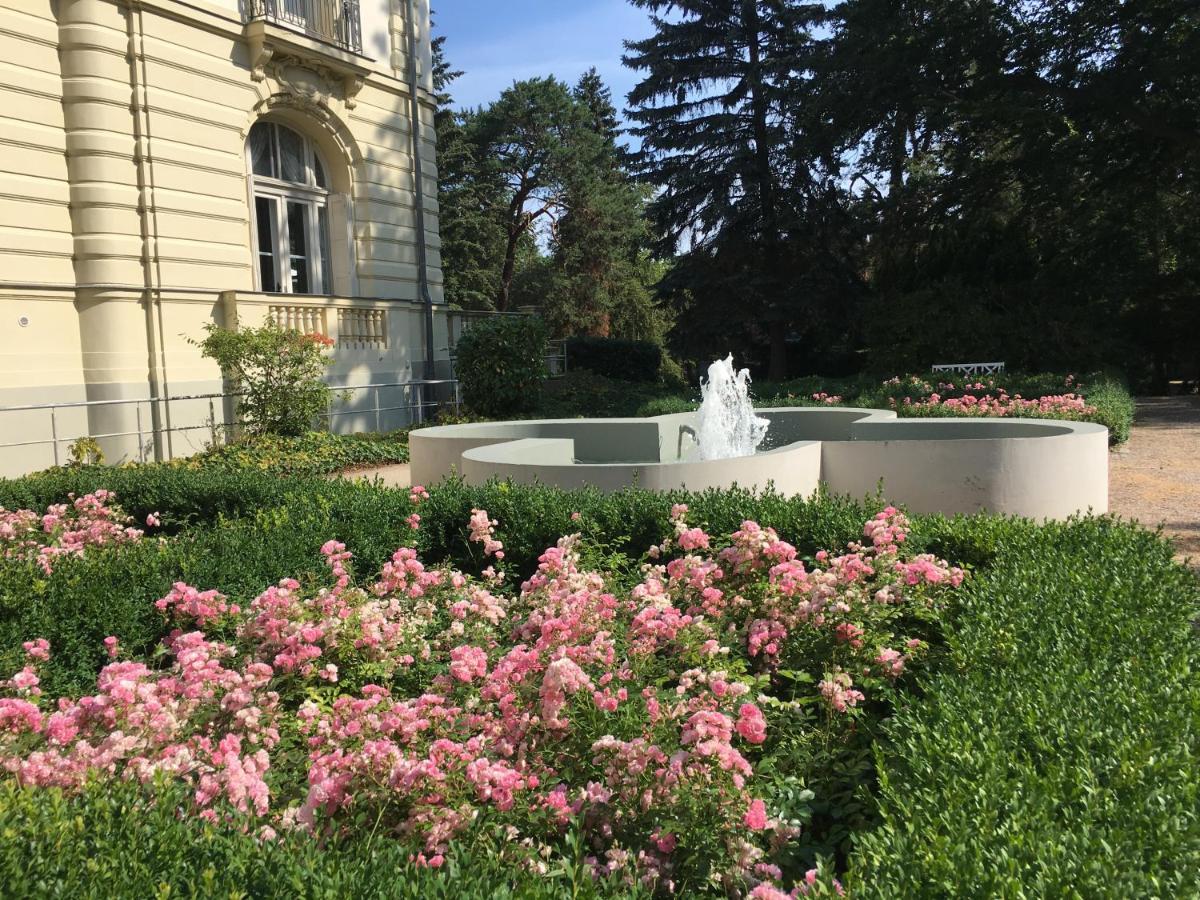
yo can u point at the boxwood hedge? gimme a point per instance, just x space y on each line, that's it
117 843
1052 752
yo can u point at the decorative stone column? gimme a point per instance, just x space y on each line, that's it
112 245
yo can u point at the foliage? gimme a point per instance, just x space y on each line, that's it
65 529
469 195
581 392
276 371
85 451
720 113
526 139
615 358
1027 175
116 840
1067 715
603 280
500 363
313 453
1090 610
460 702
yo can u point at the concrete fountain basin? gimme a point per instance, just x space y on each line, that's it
1043 469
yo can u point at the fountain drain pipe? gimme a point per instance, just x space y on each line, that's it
419 193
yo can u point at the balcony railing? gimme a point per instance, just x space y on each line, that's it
333 21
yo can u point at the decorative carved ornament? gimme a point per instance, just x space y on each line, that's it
310 75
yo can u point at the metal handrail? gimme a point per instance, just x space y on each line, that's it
141 433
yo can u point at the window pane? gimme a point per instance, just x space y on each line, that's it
264 213
291 156
319 171
297 215
262 150
323 237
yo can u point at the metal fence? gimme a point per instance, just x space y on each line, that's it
147 411
333 21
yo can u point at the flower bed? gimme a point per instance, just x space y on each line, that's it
66 529
1053 695
1092 399
426 700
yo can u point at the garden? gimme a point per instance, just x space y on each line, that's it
223 682
235 675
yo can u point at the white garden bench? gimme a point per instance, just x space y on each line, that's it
987 368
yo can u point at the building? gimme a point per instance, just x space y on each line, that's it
165 164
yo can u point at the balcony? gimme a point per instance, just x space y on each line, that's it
334 22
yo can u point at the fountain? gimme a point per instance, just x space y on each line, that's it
1028 467
726 426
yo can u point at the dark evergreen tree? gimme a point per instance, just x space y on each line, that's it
599 241
716 115
472 240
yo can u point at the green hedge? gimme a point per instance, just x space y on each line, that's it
1057 755
314 453
1052 751
625 360
501 363
113 842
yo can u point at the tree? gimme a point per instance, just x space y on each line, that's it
524 140
715 112
599 240
1028 171
472 237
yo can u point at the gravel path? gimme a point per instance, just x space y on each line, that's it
394 476
1155 477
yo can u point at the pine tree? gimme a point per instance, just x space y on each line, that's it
525 142
601 288
472 240
715 114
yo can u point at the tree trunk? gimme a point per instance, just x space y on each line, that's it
510 265
775 314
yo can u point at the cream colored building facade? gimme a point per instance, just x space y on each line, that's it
167 164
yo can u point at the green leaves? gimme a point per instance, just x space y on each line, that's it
278 373
500 363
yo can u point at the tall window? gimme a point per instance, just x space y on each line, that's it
291 215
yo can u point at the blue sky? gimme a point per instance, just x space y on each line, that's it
496 43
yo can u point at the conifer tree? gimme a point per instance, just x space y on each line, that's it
468 195
715 115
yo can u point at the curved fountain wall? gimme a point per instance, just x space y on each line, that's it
1029 467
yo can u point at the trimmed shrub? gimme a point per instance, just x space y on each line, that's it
625 360
314 453
114 841
1056 717
1056 753
500 363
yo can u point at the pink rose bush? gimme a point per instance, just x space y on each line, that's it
914 396
65 529
426 702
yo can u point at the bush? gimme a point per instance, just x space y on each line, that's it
277 372
1056 715
500 363
525 679
1114 407
115 841
625 360
1056 753
313 453
581 392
